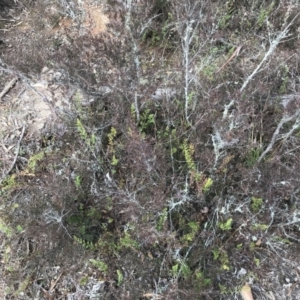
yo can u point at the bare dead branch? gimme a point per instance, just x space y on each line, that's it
273 45
8 87
284 120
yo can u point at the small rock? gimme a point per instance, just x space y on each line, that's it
241 272
57 76
45 70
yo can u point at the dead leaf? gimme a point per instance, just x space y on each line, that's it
246 292
258 243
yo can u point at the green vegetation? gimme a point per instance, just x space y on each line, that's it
33 161
256 204
252 156
102 266
260 227
120 277
9 183
192 230
264 14
222 257
89 140
226 225
162 219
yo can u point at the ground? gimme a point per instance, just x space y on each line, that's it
149 150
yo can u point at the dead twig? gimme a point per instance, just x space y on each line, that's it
47 295
54 283
8 87
234 54
16 156
50 295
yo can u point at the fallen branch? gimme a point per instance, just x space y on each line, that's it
284 120
273 45
8 87
16 156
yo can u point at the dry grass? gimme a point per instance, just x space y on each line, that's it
95 20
